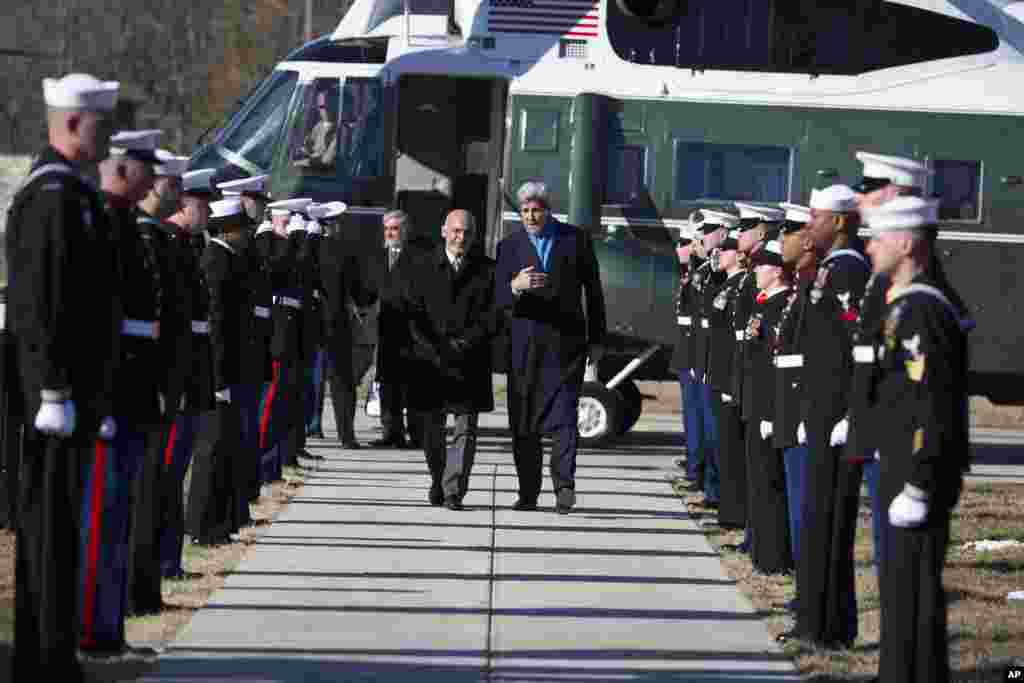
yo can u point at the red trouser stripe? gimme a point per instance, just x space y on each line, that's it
95 533
169 451
275 368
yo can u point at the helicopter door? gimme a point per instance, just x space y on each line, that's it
448 155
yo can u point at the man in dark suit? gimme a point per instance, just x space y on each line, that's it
448 296
542 273
393 335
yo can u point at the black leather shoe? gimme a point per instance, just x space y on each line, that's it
436 497
310 456
389 442
525 504
453 503
564 500
351 445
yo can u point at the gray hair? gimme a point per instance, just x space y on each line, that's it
534 190
397 214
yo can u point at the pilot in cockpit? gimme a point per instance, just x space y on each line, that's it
320 147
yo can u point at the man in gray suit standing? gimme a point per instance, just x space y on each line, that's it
448 300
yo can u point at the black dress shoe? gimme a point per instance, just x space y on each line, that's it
310 456
389 442
351 445
436 497
564 500
525 504
453 503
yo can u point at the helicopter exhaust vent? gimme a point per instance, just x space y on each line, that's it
572 49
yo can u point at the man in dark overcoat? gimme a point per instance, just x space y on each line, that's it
448 298
543 274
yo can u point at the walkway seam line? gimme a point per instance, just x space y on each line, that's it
488 667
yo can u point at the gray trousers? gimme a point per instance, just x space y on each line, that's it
449 464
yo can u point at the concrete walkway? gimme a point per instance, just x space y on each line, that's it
361 580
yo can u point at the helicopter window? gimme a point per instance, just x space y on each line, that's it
627 175
957 186
256 133
840 37
754 173
337 130
540 130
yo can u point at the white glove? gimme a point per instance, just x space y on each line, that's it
56 418
296 224
693 375
108 428
910 508
840 432
877 457
163 402
726 398
224 395
313 227
801 434
767 429
265 226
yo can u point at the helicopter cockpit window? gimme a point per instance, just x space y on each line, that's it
730 172
255 135
336 133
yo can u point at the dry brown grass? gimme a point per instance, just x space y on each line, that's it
207 567
986 631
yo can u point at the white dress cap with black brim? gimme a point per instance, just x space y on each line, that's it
198 182
256 185
752 215
713 220
731 241
291 205
768 255
334 209
226 208
835 198
883 169
170 165
902 213
136 144
80 92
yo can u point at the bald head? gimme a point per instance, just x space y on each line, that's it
458 232
82 136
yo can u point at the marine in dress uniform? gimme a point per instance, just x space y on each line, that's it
788 363
731 456
448 298
150 492
108 482
183 340
919 404
11 423
283 412
312 330
715 226
682 353
770 550
884 177
757 225
339 274
219 496
252 192
64 315
543 274
827 613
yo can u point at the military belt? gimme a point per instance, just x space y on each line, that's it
143 329
793 360
200 327
261 311
288 301
684 320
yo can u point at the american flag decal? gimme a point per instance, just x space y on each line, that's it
572 18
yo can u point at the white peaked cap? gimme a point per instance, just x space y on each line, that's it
170 165
763 213
297 222
280 212
796 213
770 254
293 205
225 208
315 211
257 184
334 209
897 170
838 198
125 141
198 180
80 92
902 213
720 218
